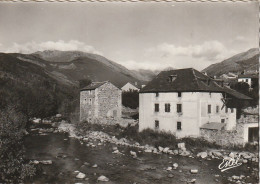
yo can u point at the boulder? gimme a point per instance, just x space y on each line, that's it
192 181
58 115
133 154
102 178
165 150
160 148
169 169
217 154
202 154
235 177
175 165
36 120
46 162
176 152
114 148
194 171
95 165
181 146
80 175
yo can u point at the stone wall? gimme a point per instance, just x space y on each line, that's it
109 101
225 137
87 109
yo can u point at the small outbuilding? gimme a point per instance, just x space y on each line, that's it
100 100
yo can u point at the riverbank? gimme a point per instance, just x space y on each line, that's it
201 164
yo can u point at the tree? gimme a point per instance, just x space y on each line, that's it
130 99
13 168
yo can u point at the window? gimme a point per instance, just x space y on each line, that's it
179 108
156 94
222 120
156 124
179 94
172 78
156 107
167 107
246 80
178 125
232 110
217 109
209 109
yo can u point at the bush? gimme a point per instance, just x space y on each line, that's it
13 168
130 99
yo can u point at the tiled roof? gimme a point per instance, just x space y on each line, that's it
187 80
213 126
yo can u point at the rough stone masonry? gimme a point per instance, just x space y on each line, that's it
99 101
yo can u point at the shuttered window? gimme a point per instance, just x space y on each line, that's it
178 125
179 108
167 107
156 107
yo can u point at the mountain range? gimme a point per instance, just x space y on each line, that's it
244 62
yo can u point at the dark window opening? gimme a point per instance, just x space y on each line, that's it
209 109
156 124
246 80
172 78
222 120
156 94
179 108
156 107
217 109
167 107
179 94
178 125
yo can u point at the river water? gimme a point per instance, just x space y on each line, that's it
69 155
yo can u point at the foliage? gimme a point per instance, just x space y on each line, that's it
130 99
84 82
13 168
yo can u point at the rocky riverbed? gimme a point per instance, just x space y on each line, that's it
97 157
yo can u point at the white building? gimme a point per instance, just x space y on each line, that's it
184 101
248 78
129 86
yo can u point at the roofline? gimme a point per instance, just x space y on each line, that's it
104 82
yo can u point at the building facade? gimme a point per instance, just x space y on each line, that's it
100 100
129 86
184 101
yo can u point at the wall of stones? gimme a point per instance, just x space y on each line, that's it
109 99
87 108
225 137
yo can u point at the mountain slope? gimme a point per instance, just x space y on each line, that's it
72 66
29 88
244 61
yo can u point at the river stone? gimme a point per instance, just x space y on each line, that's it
202 154
169 169
46 162
192 181
194 171
170 175
160 148
80 175
181 145
175 165
235 177
133 153
165 150
102 178
95 165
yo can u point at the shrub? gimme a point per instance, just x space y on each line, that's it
13 168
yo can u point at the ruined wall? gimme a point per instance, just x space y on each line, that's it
225 137
109 101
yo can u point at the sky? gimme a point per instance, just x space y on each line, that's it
137 35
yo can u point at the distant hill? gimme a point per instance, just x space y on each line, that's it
247 61
69 67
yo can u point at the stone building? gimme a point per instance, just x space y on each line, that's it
185 101
100 100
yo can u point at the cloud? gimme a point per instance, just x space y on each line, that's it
61 45
210 50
